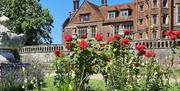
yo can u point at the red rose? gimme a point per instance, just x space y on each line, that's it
173 37
126 32
177 32
99 37
69 46
141 52
116 37
109 39
124 41
150 54
167 33
139 47
84 36
57 53
68 38
83 45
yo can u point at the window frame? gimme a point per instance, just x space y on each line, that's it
85 17
178 14
155 23
111 14
82 30
163 4
93 31
124 13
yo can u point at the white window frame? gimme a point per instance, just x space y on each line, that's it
116 29
82 30
111 15
93 31
124 13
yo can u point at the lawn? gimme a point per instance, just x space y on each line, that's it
96 85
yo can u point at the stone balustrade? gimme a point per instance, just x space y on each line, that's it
159 44
40 48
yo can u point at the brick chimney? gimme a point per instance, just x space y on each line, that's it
104 2
76 4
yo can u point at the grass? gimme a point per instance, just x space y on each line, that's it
97 85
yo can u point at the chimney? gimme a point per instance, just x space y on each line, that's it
104 2
76 4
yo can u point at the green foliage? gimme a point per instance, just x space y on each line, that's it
28 16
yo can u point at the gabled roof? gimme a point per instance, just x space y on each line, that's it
102 11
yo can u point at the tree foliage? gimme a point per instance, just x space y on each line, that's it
28 16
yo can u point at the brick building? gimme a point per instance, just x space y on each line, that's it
163 14
137 16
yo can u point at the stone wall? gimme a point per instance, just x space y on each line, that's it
163 55
44 53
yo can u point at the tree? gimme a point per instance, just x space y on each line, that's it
28 17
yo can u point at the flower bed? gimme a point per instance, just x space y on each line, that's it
122 69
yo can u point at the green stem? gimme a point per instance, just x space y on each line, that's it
81 79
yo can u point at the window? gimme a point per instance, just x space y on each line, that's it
164 3
85 17
163 35
155 3
155 19
165 19
93 31
140 35
128 26
82 30
124 13
116 29
178 14
140 21
111 15
141 7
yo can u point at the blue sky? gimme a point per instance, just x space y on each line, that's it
60 9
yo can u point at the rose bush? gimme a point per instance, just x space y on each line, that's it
123 69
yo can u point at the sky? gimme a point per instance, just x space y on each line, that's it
60 9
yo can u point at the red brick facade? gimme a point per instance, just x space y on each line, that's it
137 16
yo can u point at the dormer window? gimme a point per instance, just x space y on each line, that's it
84 17
124 13
111 15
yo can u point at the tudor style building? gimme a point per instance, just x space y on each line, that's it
137 16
